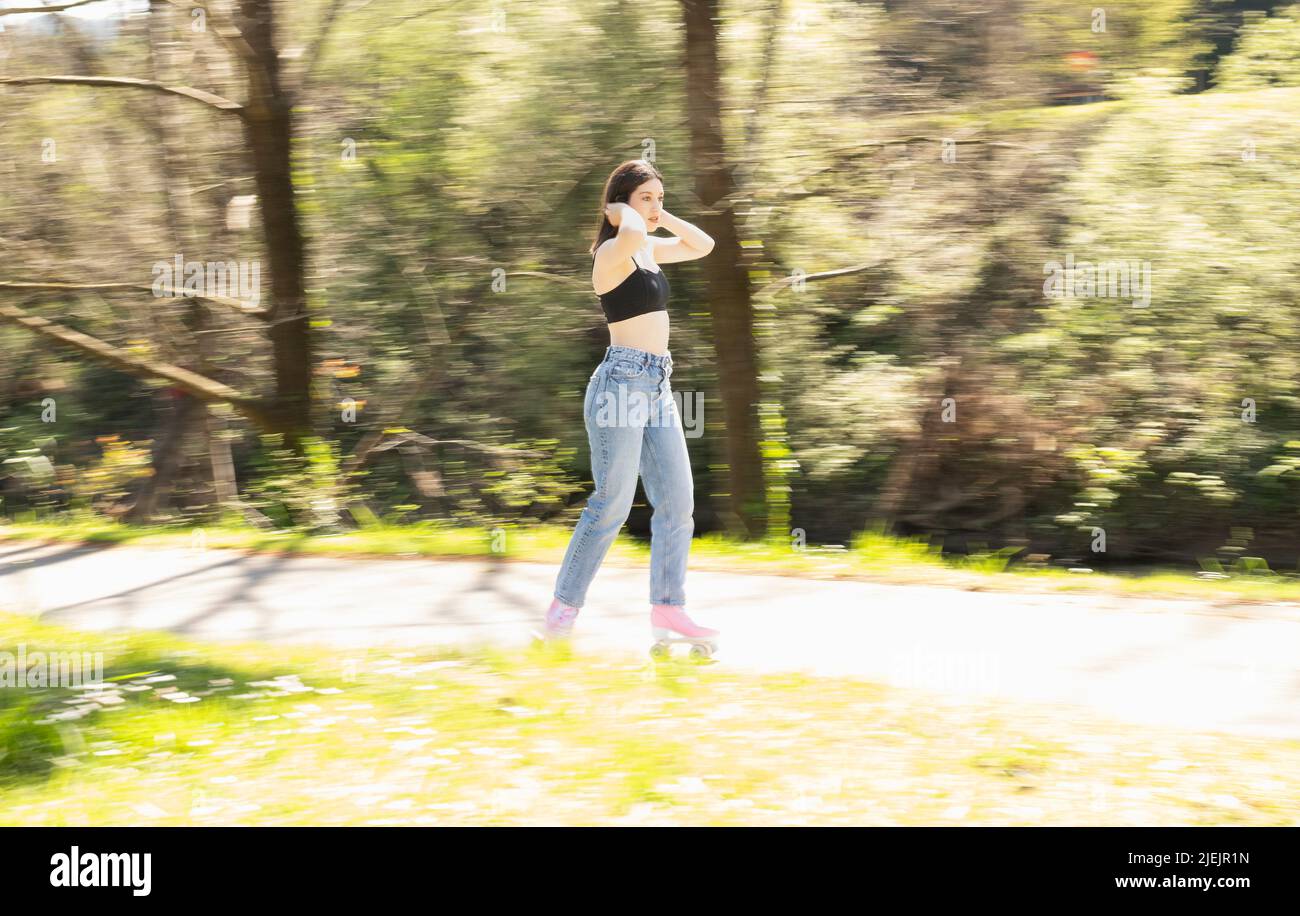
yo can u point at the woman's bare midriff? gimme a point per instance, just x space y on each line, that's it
647 332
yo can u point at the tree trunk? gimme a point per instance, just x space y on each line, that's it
917 453
269 124
725 274
168 453
224 485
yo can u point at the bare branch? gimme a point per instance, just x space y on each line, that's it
234 304
259 328
45 9
785 282
127 82
205 389
397 439
558 278
219 184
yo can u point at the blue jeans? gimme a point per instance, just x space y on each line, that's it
633 425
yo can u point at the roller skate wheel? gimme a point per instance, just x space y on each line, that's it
699 651
659 650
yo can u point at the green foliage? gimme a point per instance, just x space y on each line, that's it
1180 400
449 177
1268 53
779 468
299 491
528 485
28 743
981 559
103 483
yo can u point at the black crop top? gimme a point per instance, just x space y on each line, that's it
640 292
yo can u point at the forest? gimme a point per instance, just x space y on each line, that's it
1003 274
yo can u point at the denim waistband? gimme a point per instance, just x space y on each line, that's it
640 356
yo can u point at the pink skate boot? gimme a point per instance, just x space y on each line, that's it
669 619
559 622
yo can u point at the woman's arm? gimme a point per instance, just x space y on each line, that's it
691 241
632 232
613 254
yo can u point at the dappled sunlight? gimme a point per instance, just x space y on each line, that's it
200 736
897 405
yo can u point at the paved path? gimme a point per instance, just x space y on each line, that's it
1167 662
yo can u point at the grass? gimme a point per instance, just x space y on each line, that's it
182 733
871 555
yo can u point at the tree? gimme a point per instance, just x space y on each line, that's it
266 118
725 273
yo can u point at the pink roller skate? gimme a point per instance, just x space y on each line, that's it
669 619
559 622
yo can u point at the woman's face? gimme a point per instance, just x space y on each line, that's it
648 200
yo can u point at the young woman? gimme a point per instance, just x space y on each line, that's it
625 440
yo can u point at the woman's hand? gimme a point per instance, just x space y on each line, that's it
614 213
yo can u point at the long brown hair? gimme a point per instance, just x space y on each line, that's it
618 189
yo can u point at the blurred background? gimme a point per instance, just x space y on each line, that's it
996 283
406 192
